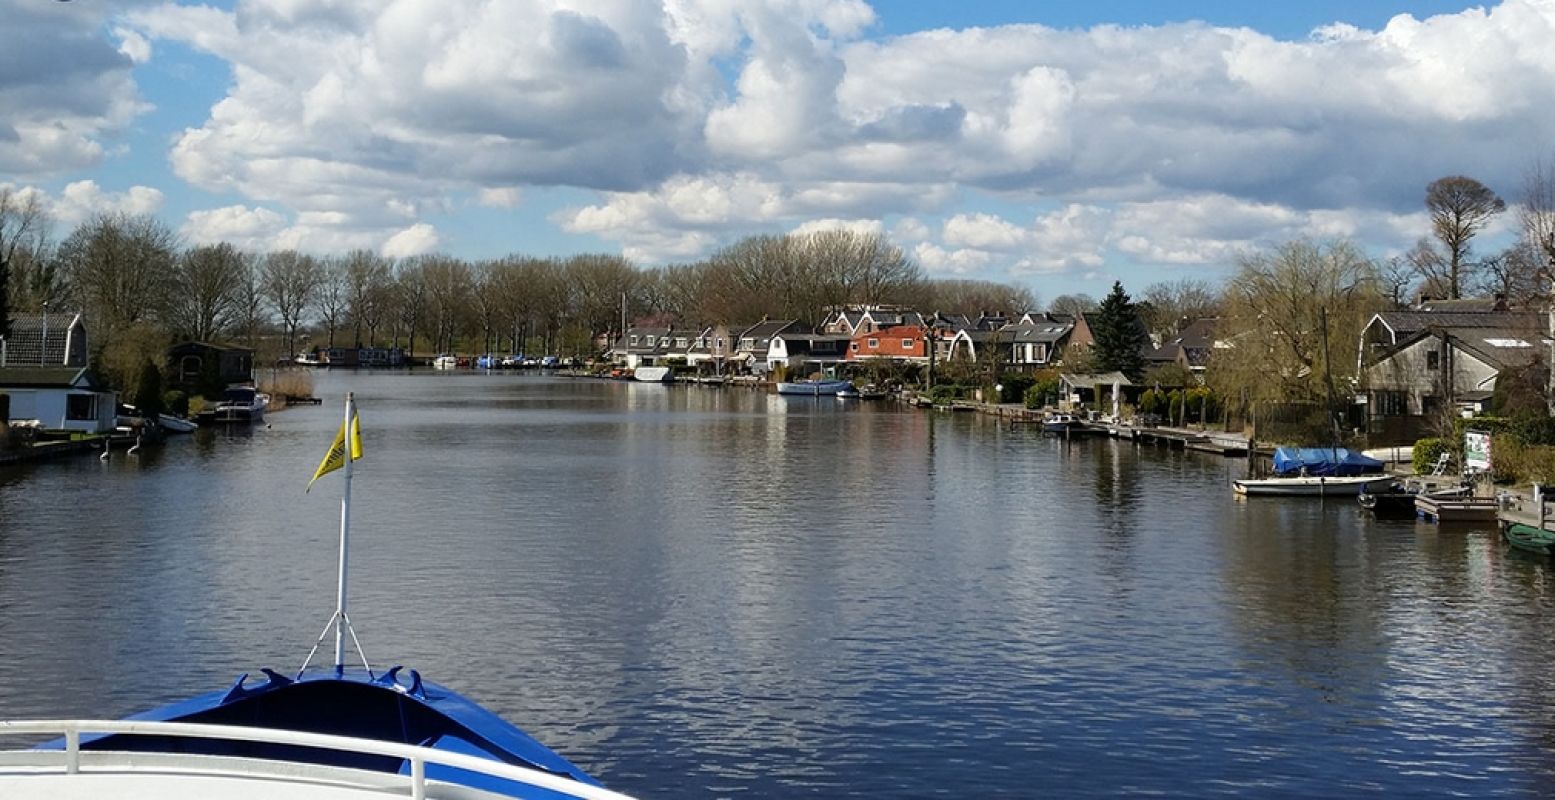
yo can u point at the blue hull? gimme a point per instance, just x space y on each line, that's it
354 704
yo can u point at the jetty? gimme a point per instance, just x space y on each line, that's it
1525 508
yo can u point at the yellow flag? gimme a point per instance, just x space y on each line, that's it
336 457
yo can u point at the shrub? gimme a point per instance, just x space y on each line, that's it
176 402
1427 451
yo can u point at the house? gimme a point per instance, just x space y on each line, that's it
754 342
899 342
640 347
1417 365
1191 349
1036 341
45 340
192 364
59 398
804 353
43 370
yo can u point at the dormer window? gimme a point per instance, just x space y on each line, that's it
634 341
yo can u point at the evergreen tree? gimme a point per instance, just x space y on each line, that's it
148 390
1120 338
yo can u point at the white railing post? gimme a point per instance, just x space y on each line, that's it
418 779
72 750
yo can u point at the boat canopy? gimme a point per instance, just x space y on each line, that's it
1323 461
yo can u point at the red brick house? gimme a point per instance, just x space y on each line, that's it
902 342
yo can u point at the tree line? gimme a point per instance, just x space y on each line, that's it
141 289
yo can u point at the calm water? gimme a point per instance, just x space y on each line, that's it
710 593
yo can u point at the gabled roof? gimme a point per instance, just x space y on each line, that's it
1405 324
32 332
1499 348
1036 331
1091 381
766 329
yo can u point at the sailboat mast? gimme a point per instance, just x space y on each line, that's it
341 620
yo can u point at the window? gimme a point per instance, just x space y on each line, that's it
748 343
1389 404
647 341
907 344
680 342
1041 353
634 341
701 342
854 346
81 406
720 343
873 343
1433 360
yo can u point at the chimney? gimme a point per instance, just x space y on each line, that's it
1500 302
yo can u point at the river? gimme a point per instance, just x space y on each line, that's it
696 592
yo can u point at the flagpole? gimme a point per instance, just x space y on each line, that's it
341 620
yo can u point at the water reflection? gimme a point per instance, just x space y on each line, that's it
710 592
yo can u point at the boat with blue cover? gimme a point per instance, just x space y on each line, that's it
1318 472
330 733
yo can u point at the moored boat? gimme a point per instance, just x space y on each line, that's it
1311 485
1530 539
445 362
814 388
173 424
1392 500
1060 423
239 404
652 374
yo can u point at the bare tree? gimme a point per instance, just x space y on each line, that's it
1072 304
1516 274
333 296
1537 214
367 286
290 280
1281 309
248 304
975 297
208 283
116 268
1460 207
1168 307
22 220
1397 276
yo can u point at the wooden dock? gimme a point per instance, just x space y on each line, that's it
1519 507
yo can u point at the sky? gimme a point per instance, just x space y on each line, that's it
1054 145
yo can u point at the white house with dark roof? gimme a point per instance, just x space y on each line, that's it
43 370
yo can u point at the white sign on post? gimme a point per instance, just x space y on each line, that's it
1476 451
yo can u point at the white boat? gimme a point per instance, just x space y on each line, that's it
335 734
240 404
1312 485
445 362
652 374
173 424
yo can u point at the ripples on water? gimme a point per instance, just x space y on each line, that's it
705 593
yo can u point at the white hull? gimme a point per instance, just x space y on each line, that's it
445 362
652 374
1312 486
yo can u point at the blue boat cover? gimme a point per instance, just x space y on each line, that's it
1325 461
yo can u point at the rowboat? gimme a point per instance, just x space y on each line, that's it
1530 539
331 734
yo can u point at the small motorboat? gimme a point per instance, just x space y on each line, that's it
1312 485
445 362
1392 500
1060 423
238 404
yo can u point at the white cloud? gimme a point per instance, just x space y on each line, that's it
504 197
133 45
859 226
67 90
939 261
252 229
416 240
83 199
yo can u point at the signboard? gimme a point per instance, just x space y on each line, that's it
1476 451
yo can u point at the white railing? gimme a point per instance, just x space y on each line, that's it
418 757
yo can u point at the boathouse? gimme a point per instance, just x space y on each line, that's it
191 365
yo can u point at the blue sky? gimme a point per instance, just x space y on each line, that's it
1052 144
